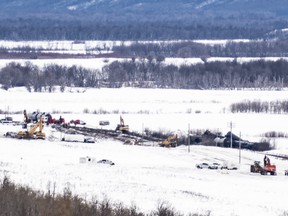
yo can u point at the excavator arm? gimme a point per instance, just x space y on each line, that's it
30 133
171 141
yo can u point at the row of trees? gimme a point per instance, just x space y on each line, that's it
180 49
134 29
150 73
208 75
256 106
266 48
45 79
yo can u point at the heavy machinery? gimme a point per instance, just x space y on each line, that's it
263 170
31 132
122 127
77 122
171 141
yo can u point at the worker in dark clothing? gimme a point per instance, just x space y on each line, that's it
266 161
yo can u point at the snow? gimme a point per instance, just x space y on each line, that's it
148 175
96 47
92 44
89 63
99 63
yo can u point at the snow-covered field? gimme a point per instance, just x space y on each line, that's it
147 176
99 63
81 46
100 47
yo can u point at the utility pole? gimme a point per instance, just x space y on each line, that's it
216 140
240 149
231 134
231 126
188 137
6 113
142 132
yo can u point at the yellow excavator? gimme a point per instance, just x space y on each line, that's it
122 127
31 133
171 141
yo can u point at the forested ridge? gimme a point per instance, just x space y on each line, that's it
137 29
188 49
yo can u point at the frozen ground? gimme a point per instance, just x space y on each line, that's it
99 63
145 176
100 47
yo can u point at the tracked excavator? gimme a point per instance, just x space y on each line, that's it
122 127
171 141
31 132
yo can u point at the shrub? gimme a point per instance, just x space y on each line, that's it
274 134
86 111
23 201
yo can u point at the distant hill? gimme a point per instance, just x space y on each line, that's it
154 8
141 19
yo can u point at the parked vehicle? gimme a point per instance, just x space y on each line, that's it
89 140
214 166
105 161
229 166
202 166
104 123
77 122
6 120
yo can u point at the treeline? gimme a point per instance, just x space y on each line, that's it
168 49
208 75
135 29
45 79
188 49
258 106
23 201
149 73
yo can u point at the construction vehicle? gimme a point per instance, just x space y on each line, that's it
104 123
6 120
171 141
77 122
31 133
263 170
122 127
